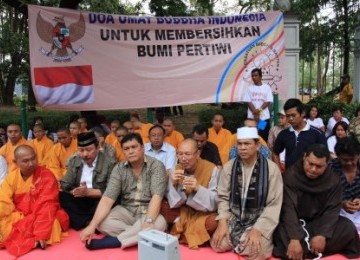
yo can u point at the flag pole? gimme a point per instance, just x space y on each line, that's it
24 126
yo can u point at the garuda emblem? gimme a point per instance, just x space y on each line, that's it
60 37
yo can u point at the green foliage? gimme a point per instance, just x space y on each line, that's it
53 120
168 8
233 118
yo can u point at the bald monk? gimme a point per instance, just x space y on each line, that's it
41 143
30 213
220 136
15 139
172 136
61 152
111 137
119 133
74 128
140 127
129 126
192 196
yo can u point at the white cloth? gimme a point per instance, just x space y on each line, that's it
317 122
3 169
355 218
258 95
87 174
331 124
331 142
166 154
205 199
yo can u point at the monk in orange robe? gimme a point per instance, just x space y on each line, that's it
61 152
42 144
30 213
15 139
220 136
140 127
120 133
74 128
111 137
172 136
83 125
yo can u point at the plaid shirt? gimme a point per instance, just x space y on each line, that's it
350 190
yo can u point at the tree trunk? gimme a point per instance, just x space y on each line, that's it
346 37
326 68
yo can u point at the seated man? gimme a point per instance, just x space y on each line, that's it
159 149
249 204
220 136
111 137
208 150
60 153
310 221
347 166
120 132
41 143
83 125
138 185
14 140
172 136
192 196
85 180
74 128
30 213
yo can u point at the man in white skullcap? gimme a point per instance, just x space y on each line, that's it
250 192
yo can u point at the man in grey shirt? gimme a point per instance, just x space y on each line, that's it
140 182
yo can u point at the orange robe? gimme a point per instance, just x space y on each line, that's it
7 151
58 156
30 211
110 138
144 132
119 153
175 138
42 148
222 139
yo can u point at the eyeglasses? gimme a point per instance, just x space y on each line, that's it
186 154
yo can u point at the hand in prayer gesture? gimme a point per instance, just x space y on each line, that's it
254 241
351 206
190 183
177 176
317 244
295 250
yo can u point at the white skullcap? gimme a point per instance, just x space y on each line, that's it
247 133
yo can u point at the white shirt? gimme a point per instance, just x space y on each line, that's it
332 123
166 154
331 142
317 122
258 95
87 174
3 168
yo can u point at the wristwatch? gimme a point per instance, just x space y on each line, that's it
149 220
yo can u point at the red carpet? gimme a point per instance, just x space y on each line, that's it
72 248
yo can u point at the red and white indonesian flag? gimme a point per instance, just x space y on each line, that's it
64 85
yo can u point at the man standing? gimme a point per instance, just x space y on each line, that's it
172 136
139 185
14 140
30 213
160 150
298 137
61 152
192 196
310 221
85 180
258 98
249 204
208 150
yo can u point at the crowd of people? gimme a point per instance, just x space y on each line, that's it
291 191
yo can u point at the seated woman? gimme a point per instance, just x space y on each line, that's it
314 119
339 131
347 166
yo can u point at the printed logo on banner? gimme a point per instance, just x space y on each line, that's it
60 37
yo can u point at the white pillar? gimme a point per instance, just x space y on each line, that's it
292 54
356 77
